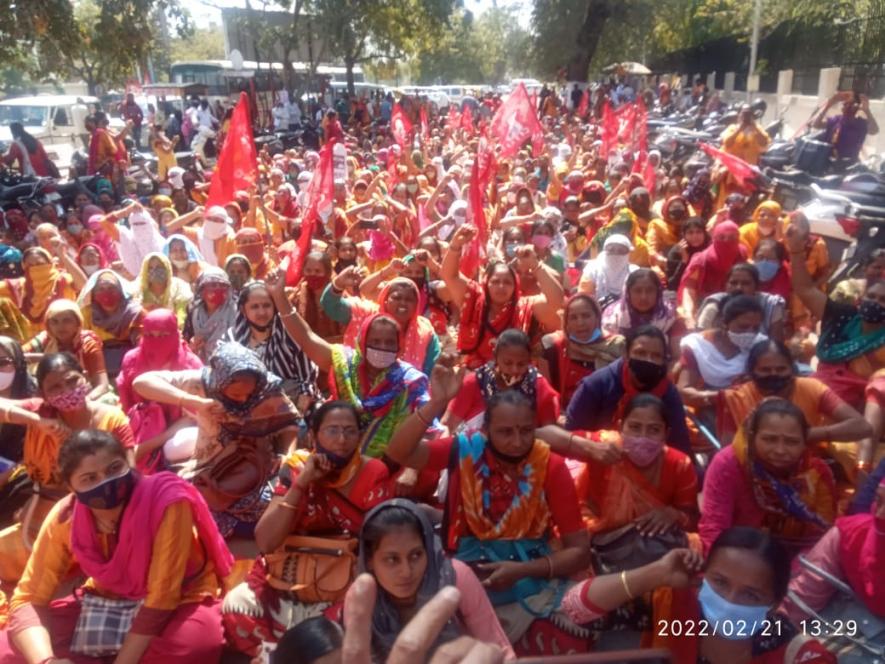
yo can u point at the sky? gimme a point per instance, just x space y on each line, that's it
210 10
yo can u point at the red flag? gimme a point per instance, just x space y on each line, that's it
626 115
425 125
392 170
641 126
585 104
318 203
741 170
609 129
475 253
467 119
237 166
401 126
515 122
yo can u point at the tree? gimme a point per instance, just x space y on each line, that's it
359 31
203 44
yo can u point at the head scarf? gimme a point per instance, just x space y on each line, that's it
99 235
54 309
118 322
252 247
713 263
161 201
193 254
39 289
229 362
620 317
862 556
168 351
698 193
382 404
102 259
10 261
143 291
280 354
386 623
211 326
665 208
609 274
142 238
23 385
771 206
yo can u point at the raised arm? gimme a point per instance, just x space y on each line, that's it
407 446
546 311
796 239
316 348
451 266
371 285
184 219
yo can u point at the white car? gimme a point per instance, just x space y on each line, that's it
48 119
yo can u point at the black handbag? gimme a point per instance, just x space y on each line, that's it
625 548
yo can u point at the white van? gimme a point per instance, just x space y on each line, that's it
48 119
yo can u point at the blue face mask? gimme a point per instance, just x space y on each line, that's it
734 622
510 249
767 269
597 333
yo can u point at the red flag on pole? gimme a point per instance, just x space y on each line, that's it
609 129
641 126
318 203
454 118
467 120
475 253
237 166
401 126
515 122
425 124
741 170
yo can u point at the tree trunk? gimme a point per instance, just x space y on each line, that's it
349 63
598 12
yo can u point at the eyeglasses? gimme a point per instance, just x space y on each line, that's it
6 362
333 431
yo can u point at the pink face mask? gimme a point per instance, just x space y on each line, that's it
640 450
542 241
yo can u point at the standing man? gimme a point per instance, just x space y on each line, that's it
129 110
79 113
847 132
576 98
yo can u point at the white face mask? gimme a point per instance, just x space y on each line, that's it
90 269
214 230
616 261
142 230
380 359
180 263
745 340
6 378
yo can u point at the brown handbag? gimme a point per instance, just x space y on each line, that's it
314 569
237 471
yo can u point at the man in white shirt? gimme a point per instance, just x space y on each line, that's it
79 113
294 115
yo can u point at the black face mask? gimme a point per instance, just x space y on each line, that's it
338 462
872 312
344 263
772 384
647 374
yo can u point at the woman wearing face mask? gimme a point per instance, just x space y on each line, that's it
743 279
770 259
543 236
65 334
91 259
157 288
497 303
322 491
316 276
511 369
694 238
602 396
399 547
506 491
215 237
346 252
259 328
136 242
17 384
745 577
250 244
187 261
239 271
154 425
766 223
113 314
97 233
136 539
715 359
664 233
653 485
241 410
850 551
42 284
63 387
707 271
772 372
852 340
399 299
211 313
579 348
74 232
769 478
604 277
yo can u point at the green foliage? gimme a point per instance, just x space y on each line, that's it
490 48
203 44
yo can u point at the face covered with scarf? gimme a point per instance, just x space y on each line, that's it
107 292
236 378
251 245
161 343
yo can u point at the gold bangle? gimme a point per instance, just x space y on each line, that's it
421 418
630 595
